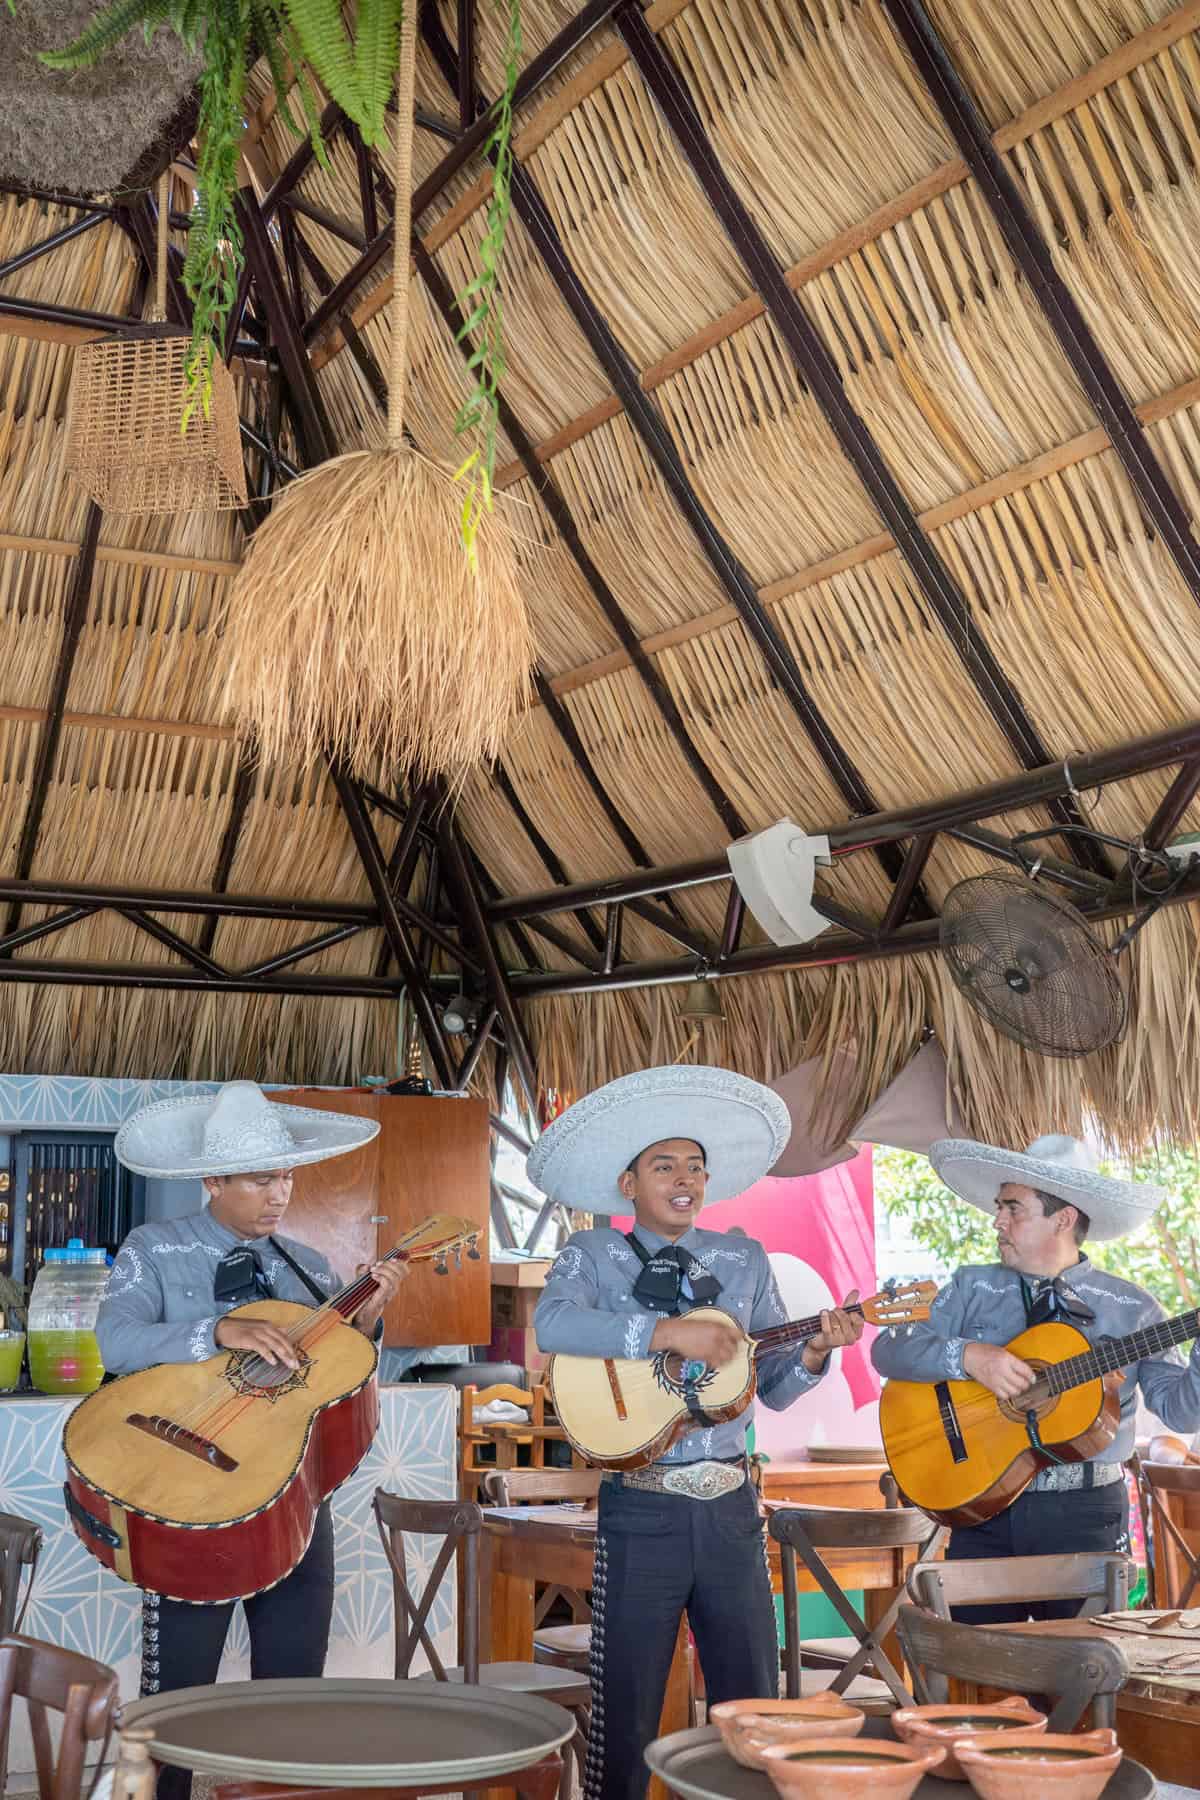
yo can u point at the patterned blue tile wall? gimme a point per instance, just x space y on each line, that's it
78 1604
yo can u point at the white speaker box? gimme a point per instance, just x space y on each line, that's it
774 869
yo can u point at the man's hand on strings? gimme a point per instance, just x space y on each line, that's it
267 1341
388 1277
838 1328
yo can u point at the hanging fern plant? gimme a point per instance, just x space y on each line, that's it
310 38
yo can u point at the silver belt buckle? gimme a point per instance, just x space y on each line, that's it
703 1480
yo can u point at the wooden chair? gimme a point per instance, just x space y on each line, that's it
483 1447
459 1523
558 1646
1173 1494
20 1546
804 1531
1098 1581
52 1680
1074 1673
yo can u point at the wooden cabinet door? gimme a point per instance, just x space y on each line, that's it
333 1203
434 1157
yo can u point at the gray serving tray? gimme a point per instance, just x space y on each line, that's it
339 1733
694 1764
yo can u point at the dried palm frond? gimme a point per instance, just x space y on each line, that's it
358 625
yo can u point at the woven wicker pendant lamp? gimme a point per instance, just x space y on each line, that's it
127 447
358 626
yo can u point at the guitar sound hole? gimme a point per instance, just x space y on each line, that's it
258 1372
1037 1400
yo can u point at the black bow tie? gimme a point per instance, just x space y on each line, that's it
659 1286
1051 1300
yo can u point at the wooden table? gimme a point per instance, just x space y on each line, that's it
1158 1717
806 1483
524 1546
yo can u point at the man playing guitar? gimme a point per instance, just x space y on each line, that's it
1046 1203
683 1534
168 1291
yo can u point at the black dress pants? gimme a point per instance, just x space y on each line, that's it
1044 1524
659 1556
289 1635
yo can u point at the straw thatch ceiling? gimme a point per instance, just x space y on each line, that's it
735 621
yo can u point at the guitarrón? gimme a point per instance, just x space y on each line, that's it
962 1455
623 1414
202 1481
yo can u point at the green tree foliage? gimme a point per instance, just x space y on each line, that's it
1161 1257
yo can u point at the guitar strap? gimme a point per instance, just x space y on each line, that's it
301 1274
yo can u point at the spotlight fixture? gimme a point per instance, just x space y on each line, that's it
458 1015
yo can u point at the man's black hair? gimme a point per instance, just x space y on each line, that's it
631 1168
1051 1204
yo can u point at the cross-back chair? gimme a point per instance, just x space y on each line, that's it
459 1524
50 1679
804 1531
1075 1672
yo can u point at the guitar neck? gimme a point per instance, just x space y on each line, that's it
351 1298
1122 1353
797 1331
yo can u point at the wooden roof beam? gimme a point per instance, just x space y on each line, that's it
1034 787
560 517
955 103
817 369
74 618
651 429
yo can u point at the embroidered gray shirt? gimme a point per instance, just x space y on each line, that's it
984 1303
159 1307
587 1309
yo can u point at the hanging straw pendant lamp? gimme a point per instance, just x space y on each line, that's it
358 626
127 446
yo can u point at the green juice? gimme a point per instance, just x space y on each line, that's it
65 1362
12 1349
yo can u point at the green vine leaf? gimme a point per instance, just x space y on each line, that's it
479 414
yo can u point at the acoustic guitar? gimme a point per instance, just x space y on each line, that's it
202 1481
623 1414
963 1456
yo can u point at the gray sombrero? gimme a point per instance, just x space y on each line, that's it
742 1125
237 1131
1062 1166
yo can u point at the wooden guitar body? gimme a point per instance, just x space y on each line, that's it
622 1415
192 1481
963 1456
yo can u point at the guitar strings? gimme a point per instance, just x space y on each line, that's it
219 1398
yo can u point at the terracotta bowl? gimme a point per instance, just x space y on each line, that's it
947 1724
849 1769
1013 1765
748 1727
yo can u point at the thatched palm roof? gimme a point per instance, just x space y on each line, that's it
746 607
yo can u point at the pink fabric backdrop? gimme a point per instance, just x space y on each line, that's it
820 1233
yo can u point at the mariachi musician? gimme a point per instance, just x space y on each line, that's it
169 1289
1047 1202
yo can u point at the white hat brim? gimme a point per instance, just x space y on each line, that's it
977 1172
166 1140
743 1127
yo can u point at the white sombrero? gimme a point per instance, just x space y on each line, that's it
236 1132
742 1126
1062 1166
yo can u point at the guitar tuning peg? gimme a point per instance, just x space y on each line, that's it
473 1252
458 1257
440 1266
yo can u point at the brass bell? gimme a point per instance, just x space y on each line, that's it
702 1004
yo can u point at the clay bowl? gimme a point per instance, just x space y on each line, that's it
947 1724
849 1769
748 1727
1012 1765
